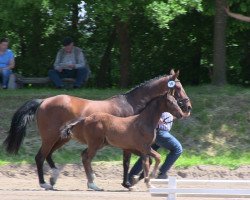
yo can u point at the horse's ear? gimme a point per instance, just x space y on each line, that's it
172 72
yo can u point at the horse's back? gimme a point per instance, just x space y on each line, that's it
57 110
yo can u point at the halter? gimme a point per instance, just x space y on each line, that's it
171 85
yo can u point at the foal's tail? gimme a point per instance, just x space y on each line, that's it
65 130
19 122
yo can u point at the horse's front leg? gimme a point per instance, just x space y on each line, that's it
126 162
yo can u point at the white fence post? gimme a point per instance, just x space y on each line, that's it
172 185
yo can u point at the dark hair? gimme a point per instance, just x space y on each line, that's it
4 40
67 41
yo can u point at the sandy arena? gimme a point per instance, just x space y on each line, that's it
19 182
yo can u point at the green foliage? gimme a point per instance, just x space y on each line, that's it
163 34
164 12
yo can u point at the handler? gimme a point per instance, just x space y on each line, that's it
165 140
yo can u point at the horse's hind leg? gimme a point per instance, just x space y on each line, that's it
40 157
145 162
87 156
157 158
126 162
55 171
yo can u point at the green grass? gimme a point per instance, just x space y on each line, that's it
217 132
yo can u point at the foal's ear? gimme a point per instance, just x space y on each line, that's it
172 72
175 76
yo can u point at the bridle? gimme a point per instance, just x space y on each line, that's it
180 101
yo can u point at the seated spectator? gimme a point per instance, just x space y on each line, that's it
7 62
70 63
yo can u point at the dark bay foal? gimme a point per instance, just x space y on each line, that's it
134 133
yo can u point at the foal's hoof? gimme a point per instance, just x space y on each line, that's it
92 186
46 186
149 185
126 185
133 189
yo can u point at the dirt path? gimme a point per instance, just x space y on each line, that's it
19 182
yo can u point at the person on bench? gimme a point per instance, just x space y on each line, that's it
70 63
7 62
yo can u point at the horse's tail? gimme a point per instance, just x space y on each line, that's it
19 122
65 130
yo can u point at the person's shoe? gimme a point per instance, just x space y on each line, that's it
162 176
135 180
4 87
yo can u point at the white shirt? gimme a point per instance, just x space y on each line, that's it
166 121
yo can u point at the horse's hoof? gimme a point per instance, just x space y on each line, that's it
126 185
133 189
149 185
54 176
92 186
46 186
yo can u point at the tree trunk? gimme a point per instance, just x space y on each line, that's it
196 66
75 20
124 45
219 54
103 76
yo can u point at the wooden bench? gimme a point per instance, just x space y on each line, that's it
172 191
21 80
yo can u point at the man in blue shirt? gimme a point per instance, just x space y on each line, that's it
7 62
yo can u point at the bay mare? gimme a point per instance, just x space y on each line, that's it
135 133
51 113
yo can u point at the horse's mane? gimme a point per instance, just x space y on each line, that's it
139 86
144 84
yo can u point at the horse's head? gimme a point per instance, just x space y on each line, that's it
172 106
179 93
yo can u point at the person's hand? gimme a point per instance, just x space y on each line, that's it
72 66
59 69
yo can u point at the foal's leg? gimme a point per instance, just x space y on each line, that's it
126 162
145 162
87 156
55 171
157 158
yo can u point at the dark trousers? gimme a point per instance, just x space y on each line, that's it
167 141
5 75
80 74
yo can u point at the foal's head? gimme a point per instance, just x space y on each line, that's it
179 93
172 106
